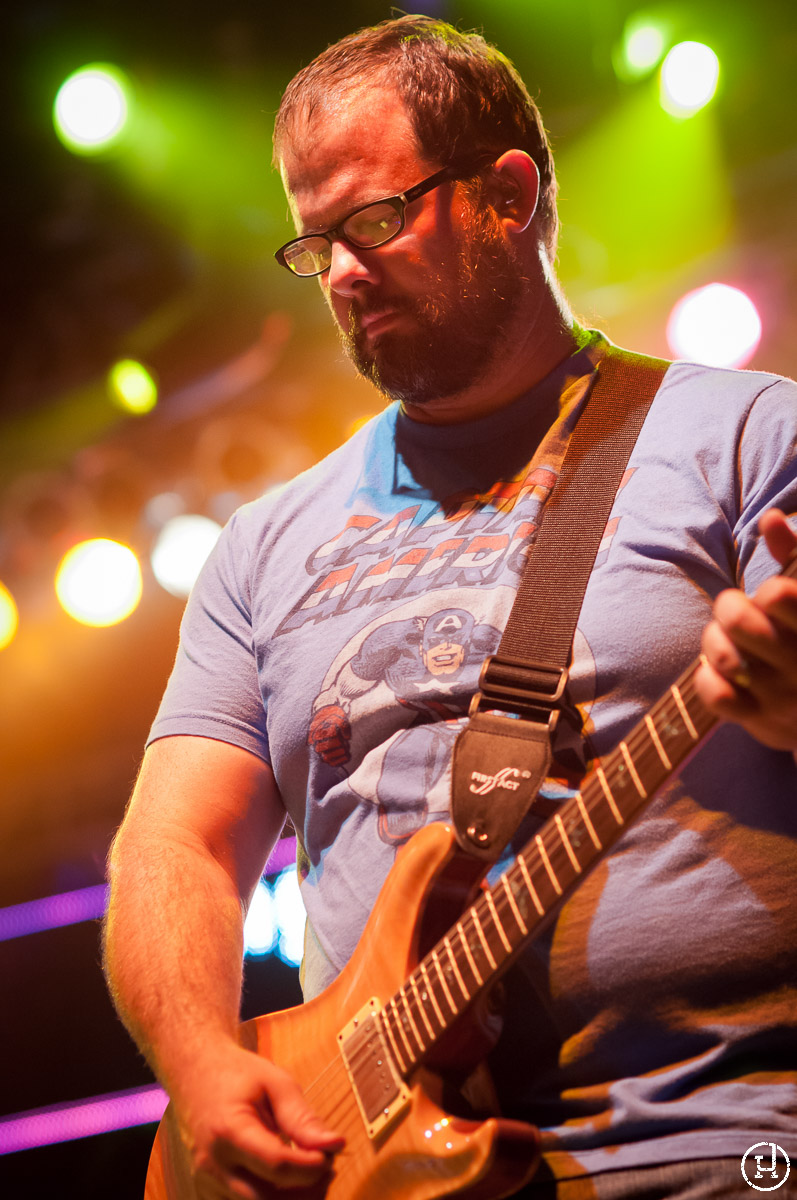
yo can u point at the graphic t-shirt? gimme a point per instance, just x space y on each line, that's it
338 630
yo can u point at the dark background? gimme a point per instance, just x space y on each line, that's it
164 254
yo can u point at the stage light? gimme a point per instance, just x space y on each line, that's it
689 77
131 387
82 1118
643 42
290 916
180 551
98 582
91 108
717 325
9 617
260 933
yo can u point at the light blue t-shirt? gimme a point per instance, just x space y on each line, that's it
338 630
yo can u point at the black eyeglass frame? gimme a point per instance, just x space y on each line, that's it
458 170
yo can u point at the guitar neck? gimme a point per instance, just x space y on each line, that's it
476 951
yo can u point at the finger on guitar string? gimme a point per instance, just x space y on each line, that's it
748 671
244 1118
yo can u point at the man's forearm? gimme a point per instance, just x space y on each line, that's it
173 950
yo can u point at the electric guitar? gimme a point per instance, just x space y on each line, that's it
376 1051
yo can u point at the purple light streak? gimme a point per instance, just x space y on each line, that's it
81 1118
283 854
89 904
67 908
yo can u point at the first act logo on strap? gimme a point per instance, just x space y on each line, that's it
765 1166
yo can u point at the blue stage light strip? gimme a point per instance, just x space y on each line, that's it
89 904
81 1118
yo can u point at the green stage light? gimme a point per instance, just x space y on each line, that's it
132 387
689 77
642 46
641 194
91 108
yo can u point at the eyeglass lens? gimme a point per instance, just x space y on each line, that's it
371 226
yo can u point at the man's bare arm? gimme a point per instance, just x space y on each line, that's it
202 820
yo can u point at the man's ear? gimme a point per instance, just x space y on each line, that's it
513 189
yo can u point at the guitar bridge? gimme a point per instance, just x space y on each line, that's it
380 1091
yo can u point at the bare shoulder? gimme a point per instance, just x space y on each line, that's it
208 794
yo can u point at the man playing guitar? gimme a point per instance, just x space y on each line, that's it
333 642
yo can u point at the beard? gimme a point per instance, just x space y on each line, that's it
459 327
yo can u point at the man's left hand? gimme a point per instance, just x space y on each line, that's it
749 669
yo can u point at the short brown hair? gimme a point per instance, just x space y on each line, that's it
464 96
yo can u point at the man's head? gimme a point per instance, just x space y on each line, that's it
429 313
462 94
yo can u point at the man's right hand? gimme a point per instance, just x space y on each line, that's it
244 1122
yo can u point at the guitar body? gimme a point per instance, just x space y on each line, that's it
424 1152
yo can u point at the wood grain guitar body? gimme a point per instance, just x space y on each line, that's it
416 1150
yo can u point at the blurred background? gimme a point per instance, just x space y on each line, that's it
158 369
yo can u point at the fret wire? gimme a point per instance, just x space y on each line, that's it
483 919
435 958
510 895
651 727
608 794
385 1014
401 1029
408 1009
497 921
455 965
521 860
431 994
629 762
483 939
505 909
566 844
421 1007
474 923
546 862
598 844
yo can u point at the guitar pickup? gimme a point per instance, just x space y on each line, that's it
380 1090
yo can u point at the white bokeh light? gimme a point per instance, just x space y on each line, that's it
98 582
717 325
689 78
260 933
91 108
180 551
291 916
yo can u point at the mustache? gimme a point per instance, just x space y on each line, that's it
423 308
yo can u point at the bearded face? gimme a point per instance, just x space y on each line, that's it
460 321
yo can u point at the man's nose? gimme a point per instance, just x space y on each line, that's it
350 268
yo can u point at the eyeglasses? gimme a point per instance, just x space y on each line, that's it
371 225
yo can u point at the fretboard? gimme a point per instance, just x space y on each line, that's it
548 869
532 890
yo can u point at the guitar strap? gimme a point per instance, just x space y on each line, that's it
504 752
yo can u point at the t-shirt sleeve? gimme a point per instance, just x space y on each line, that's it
767 475
213 689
